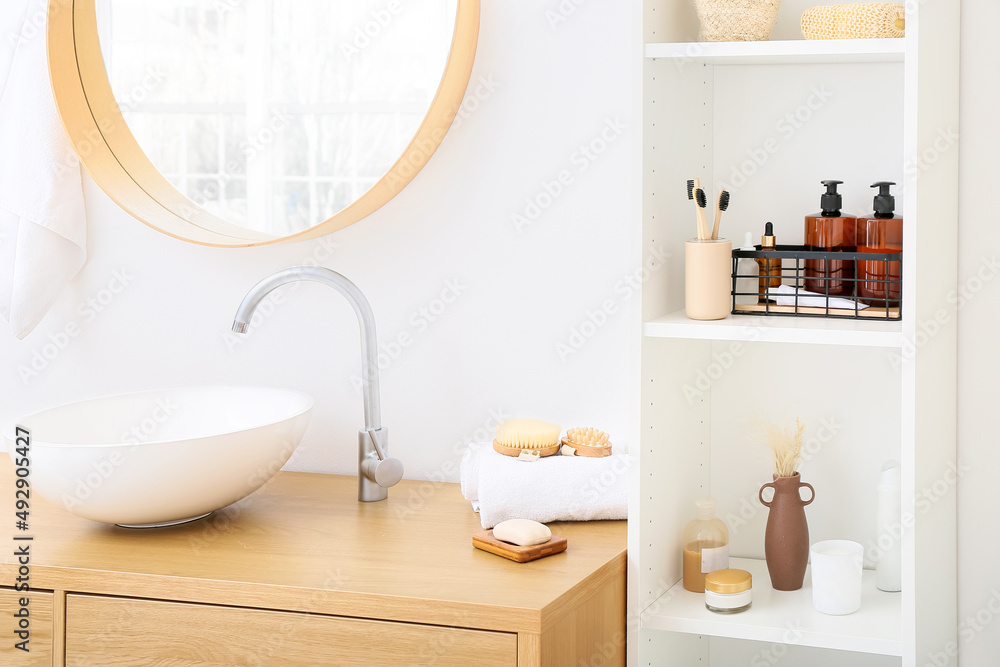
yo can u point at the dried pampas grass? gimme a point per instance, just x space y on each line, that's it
785 444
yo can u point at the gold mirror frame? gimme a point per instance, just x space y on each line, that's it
113 158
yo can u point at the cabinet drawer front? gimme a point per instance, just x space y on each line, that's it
39 646
114 632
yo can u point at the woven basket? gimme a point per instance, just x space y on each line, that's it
863 20
736 20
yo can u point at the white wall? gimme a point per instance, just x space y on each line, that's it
492 351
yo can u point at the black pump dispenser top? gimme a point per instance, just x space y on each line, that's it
831 202
885 203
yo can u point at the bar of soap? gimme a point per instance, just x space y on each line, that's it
522 532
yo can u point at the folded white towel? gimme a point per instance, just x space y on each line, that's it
784 295
555 488
43 227
469 471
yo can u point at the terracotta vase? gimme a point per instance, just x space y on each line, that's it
786 539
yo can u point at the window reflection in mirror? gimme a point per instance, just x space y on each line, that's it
274 114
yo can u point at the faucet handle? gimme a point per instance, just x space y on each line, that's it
386 472
377 470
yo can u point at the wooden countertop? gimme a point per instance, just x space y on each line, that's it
304 543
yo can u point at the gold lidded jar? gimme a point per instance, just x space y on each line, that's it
728 591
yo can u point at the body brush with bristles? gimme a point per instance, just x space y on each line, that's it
588 442
517 436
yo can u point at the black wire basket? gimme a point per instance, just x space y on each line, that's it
843 283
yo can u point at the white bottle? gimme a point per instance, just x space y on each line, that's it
748 270
889 566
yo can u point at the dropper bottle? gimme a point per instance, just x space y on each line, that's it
770 269
747 272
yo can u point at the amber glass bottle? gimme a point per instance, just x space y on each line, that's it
830 231
706 546
882 232
770 269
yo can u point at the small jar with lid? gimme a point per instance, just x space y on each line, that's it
728 591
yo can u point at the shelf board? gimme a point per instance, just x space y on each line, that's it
786 52
777 329
786 617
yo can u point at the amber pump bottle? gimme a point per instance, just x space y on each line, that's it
882 232
830 231
770 269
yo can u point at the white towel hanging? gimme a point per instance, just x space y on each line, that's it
43 226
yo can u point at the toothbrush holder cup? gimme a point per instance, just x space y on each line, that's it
708 266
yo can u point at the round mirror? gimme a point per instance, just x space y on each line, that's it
242 122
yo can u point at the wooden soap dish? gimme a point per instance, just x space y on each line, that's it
516 451
518 554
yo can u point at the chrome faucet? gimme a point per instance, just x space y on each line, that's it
376 470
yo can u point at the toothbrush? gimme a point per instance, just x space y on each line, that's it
702 201
722 205
695 192
691 186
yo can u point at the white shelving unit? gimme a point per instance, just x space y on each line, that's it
781 52
874 629
770 329
769 120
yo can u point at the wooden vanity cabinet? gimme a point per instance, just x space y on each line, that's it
301 574
110 631
40 648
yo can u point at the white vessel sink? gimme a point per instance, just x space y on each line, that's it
164 457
